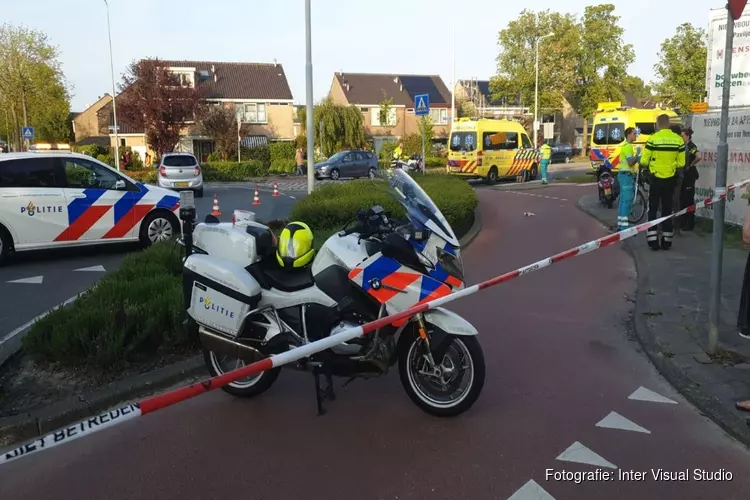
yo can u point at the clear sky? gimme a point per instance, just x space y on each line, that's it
389 36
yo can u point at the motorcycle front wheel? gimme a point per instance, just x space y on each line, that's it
453 385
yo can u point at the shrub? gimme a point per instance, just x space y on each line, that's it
335 205
134 313
92 150
283 166
108 159
412 144
386 150
261 154
282 151
436 162
214 157
228 171
144 176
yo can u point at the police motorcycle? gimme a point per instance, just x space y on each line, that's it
415 163
249 298
609 188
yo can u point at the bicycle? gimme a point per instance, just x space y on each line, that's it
640 201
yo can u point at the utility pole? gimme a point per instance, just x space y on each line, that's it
114 92
309 84
717 253
453 90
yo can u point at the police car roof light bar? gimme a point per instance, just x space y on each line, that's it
49 147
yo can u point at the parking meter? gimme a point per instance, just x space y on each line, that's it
187 215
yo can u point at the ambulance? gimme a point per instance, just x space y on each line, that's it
52 198
610 121
491 149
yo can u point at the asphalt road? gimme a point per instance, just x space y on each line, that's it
560 362
51 277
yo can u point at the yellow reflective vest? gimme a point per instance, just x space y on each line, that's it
664 154
546 151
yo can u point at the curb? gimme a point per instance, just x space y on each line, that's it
720 413
36 423
473 231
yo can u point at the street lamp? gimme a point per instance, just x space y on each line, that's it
309 89
114 92
536 90
453 90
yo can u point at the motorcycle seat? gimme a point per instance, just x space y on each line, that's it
269 275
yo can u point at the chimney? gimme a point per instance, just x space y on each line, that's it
401 87
213 70
274 62
347 86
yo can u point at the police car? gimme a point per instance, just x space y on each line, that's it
51 198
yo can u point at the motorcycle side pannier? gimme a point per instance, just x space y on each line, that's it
220 294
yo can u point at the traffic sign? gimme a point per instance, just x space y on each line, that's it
422 102
699 107
27 133
736 7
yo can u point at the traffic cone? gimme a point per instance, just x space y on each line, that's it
216 212
275 190
256 199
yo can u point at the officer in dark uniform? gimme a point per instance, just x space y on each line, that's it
687 195
664 157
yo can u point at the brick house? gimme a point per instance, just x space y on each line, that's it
91 126
368 90
259 92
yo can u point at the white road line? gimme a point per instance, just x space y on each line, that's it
643 394
99 269
26 325
531 491
616 421
537 195
578 453
34 280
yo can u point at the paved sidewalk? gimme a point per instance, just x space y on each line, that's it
671 320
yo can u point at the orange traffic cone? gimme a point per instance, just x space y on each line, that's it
256 199
216 212
275 190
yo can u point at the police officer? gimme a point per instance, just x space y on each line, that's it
626 179
687 194
664 157
546 155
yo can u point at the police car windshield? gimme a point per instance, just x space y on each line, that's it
178 161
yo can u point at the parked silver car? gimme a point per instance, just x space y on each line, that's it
180 171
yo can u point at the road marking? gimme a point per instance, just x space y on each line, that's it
29 323
537 195
99 269
34 280
578 453
531 491
616 421
643 394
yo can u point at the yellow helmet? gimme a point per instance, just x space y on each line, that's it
295 247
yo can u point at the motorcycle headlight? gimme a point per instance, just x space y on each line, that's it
452 264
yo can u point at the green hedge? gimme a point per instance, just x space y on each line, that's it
283 151
260 154
334 206
283 166
231 171
134 313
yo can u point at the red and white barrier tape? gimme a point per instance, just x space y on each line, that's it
154 403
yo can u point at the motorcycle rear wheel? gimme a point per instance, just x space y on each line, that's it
463 357
247 387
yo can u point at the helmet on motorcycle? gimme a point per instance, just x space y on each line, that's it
295 247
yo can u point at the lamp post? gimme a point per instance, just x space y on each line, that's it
114 92
536 89
453 90
309 114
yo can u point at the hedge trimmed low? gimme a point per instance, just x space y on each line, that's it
231 171
134 313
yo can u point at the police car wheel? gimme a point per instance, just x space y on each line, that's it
5 243
159 226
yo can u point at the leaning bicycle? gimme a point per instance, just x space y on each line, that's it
640 201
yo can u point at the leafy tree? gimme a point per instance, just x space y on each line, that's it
636 86
385 113
426 130
681 70
32 86
516 61
220 124
153 100
343 126
465 108
411 144
601 61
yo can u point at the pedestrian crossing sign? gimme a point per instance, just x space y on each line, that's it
422 102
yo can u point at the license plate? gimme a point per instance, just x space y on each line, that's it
181 184
608 191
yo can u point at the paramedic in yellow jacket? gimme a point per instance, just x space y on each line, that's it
545 153
664 157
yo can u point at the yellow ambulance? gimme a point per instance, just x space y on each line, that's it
610 121
491 149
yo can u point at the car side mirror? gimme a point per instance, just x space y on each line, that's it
120 184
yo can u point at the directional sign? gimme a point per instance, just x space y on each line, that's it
422 102
736 7
28 133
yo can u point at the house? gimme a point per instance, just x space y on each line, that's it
91 126
478 93
368 90
259 93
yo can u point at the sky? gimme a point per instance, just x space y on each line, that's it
384 36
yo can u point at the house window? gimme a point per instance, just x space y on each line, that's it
439 116
255 113
182 79
410 110
375 118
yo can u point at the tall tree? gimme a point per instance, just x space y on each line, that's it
517 57
32 86
154 100
681 70
220 124
636 87
343 126
601 63
386 114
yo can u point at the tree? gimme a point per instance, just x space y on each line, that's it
516 73
386 113
32 86
426 130
343 126
636 87
681 70
465 108
601 61
154 101
220 124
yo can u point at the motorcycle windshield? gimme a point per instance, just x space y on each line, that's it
419 207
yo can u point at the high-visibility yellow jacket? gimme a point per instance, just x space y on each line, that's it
664 154
546 151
